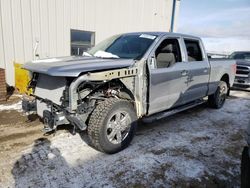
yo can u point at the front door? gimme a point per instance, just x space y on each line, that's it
168 79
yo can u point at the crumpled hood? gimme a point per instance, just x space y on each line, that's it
73 66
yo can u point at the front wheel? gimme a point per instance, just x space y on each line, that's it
112 125
217 99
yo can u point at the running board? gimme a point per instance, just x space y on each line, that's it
167 113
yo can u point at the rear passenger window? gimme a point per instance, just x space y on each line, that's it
193 50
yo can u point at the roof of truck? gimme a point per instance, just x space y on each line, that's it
158 33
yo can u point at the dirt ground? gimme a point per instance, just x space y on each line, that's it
200 147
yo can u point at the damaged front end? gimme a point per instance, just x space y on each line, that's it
50 100
45 100
69 100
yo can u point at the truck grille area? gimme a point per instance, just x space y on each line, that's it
50 88
242 76
242 71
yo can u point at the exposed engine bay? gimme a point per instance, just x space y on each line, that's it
66 100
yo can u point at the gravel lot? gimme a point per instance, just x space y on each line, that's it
200 147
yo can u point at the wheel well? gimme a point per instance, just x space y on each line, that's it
116 84
99 91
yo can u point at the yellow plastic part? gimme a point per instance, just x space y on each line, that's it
21 79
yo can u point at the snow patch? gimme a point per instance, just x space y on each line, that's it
104 54
16 106
51 155
189 168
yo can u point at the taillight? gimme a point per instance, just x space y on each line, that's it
234 67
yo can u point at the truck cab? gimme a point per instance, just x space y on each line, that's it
179 72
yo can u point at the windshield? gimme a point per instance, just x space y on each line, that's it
240 55
129 46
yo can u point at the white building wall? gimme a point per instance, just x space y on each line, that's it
8 39
24 23
2 56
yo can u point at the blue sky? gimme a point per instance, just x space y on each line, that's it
226 20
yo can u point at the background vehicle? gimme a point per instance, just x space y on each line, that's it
242 79
245 162
125 78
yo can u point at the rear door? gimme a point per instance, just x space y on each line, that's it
168 81
198 70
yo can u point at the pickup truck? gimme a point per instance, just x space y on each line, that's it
126 78
242 79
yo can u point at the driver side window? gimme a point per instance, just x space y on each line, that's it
168 53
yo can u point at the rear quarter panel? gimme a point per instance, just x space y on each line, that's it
218 69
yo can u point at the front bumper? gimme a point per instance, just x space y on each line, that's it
52 115
44 110
241 82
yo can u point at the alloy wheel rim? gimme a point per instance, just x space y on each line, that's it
222 94
118 127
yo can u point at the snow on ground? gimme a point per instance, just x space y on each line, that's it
198 147
16 106
242 94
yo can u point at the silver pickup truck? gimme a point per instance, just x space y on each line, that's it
128 77
242 78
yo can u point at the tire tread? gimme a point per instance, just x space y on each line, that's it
212 99
95 122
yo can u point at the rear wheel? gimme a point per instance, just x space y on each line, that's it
112 125
217 99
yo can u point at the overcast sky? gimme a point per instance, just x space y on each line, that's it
223 24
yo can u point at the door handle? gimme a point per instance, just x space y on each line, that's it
205 69
184 72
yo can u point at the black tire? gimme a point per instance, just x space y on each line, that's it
245 168
217 99
105 114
